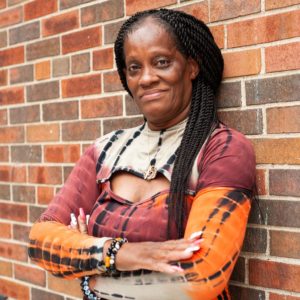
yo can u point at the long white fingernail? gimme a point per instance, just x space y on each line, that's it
196 234
192 249
87 218
73 220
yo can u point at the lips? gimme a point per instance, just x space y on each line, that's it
152 95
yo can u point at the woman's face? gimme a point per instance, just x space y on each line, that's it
158 75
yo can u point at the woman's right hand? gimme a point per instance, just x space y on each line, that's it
156 256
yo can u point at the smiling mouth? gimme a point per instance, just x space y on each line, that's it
152 95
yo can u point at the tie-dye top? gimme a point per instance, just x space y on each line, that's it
223 169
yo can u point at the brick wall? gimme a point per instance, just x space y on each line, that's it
59 91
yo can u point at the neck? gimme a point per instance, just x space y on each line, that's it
165 124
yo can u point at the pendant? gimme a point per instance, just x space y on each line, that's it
150 173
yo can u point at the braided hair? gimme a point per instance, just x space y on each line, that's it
193 39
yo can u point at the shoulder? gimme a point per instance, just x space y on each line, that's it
116 137
228 159
225 141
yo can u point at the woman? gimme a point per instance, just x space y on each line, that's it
178 188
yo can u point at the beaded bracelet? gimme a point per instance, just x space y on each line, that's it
111 254
86 289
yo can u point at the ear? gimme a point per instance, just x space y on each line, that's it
194 68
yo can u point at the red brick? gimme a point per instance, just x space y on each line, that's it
81 131
103 107
45 295
43 91
133 6
43 48
5 192
238 273
283 57
43 133
261 181
14 2
46 175
24 194
61 153
105 11
111 31
66 110
13 251
277 151
255 240
11 134
21 74
3 77
24 114
35 213
81 63
70 3
13 212
229 95
13 173
3 116
246 121
221 9
84 39
283 119
273 4
285 182
12 56
42 70
131 107
264 30
5 231
4 152
3 39
14 290
39 8
80 86
21 233
111 125
276 275
60 23
103 59
5 268
242 63
219 35
44 194
245 293
273 90
10 17
282 297
199 10
71 287
285 244
31 275
11 96
112 82
60 66
24 33
2 3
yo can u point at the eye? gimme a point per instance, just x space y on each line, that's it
132 68
163 63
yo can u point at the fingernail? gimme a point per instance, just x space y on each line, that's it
199 241
87 218
195 234
177 269
73 220
192 249
81 213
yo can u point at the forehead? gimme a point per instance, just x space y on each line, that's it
148 32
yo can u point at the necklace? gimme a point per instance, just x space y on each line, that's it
151 172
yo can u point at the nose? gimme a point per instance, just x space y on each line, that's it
148 76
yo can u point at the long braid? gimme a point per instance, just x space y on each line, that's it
193 39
